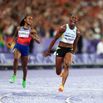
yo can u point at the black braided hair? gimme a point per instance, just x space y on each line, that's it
22 21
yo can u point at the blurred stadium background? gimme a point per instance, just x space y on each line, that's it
48 16
83 85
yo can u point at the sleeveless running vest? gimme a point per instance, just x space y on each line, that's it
69 35
24 36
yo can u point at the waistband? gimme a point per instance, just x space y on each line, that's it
65 47
22 44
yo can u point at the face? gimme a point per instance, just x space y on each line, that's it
29 20
73 21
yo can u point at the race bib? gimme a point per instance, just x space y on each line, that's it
24 34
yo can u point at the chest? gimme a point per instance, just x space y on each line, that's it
24 33
70 34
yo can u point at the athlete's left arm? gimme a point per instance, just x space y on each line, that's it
35 36
76 41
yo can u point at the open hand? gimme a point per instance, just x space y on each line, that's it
10 45
46 53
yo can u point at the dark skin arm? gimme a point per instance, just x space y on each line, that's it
59 32
16 33
76 41
35 36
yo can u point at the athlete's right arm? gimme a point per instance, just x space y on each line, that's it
58 34
16 33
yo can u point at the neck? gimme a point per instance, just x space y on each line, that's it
26 26
71 27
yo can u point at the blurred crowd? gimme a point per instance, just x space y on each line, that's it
50 14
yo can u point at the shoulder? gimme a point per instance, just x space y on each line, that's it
33 30
62 28
18 27
78 32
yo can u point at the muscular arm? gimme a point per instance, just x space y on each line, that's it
59 32
76 41
16 33
35 36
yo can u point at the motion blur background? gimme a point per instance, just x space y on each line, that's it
84 85
48 16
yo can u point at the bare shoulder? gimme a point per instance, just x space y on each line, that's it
33 30
62 28
78 32
18 27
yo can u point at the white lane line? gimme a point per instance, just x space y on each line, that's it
31 90
85 89
67 100
16 90
4 95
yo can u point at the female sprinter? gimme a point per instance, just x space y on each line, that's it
69 36
25 33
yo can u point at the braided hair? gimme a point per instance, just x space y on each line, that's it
23 21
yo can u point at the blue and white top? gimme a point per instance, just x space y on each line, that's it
24 32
